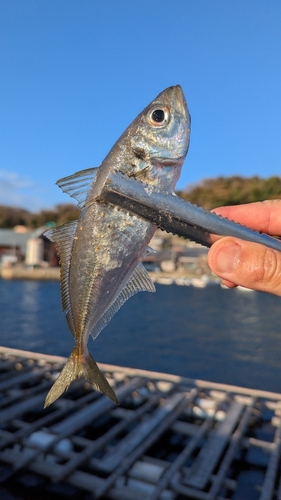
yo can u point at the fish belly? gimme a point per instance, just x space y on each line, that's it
107 248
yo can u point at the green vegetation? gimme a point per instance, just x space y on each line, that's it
209 193
234 190
10 216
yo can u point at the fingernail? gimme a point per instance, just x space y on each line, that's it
227 257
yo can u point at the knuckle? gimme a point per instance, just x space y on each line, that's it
268 268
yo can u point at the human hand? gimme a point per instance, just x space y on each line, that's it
240 262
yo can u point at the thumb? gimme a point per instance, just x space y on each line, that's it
246 264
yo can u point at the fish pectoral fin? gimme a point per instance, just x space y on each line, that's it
78 366
78 185
149 251
139 281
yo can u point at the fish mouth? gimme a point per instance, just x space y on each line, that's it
180 101
175 95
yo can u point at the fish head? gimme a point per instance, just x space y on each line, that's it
153 148
158 140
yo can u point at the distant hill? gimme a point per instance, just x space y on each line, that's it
209 193
235 190
12 216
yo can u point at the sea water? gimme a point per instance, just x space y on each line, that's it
227 336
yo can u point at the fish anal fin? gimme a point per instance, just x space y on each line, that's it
78 366
78 185
139 281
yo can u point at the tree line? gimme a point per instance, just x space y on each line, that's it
209 193
12 216
235 190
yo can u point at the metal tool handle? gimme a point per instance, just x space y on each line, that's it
173 214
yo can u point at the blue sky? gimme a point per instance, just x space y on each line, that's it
74 74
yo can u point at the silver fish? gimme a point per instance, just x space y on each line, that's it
100 252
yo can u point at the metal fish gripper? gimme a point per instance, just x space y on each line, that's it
174 215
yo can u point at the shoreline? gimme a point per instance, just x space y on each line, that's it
53 274
22 272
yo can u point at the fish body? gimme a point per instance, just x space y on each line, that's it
100 253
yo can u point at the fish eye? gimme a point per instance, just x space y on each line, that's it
158 116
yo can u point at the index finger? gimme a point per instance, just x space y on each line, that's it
262 216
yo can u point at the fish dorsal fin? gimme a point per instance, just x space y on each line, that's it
78 185
63 237
138 282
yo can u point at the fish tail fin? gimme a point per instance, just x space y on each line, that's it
78 366
96 378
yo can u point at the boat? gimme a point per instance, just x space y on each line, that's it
239 288
183 281
244 289
198 282
204 280
164 280
169 438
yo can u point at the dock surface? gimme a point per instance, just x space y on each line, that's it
170 438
